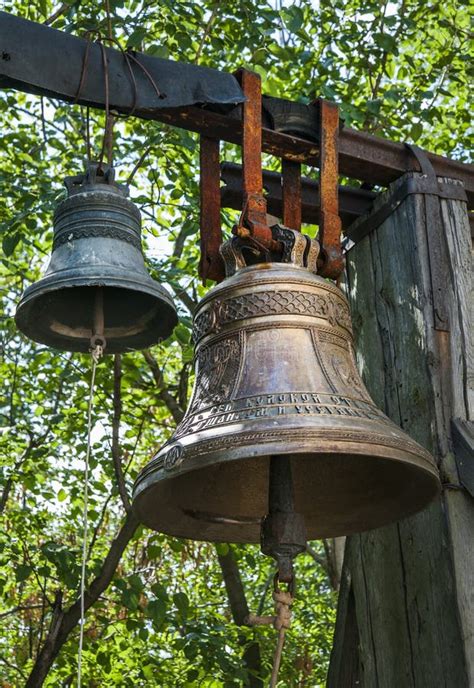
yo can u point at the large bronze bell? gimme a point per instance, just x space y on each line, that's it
276 376
96 245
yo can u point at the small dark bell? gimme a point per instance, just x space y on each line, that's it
276 379
96 248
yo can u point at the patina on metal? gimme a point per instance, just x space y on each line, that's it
276 376
96 246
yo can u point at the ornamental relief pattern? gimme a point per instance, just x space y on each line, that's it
288 302
229 441
96 232
217 369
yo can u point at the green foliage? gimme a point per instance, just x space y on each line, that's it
399 70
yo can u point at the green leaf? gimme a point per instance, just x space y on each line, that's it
22 572
158 51
136 582
159 590
182 334
10 242
43 6
154 551
222 549
156 610
181 601
137 37
293 18
416 131
386 42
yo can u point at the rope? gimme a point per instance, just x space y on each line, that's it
96 354
281 622
283 601
277 658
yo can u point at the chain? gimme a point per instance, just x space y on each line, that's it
97 351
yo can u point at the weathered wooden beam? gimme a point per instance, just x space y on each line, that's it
41 60
37 59
412 581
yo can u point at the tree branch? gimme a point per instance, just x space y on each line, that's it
12 666
240 610
184 297
62 623
163 392
9 481
61 10
183 386
20 608
205 34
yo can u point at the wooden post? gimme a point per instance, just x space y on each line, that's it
406 608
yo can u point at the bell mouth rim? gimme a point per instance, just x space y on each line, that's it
49 336
425 461
91 278
147 493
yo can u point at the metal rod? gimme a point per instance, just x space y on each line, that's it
280 488
283 532
98 327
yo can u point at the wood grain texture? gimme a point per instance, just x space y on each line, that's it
412 581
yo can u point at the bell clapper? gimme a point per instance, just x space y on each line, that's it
283 532
98 341
283 536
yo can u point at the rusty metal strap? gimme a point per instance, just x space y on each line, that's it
412 185
253 220
211 265
332 261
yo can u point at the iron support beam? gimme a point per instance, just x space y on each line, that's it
353 202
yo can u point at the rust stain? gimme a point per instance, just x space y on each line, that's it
211 265
332 261
291 178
